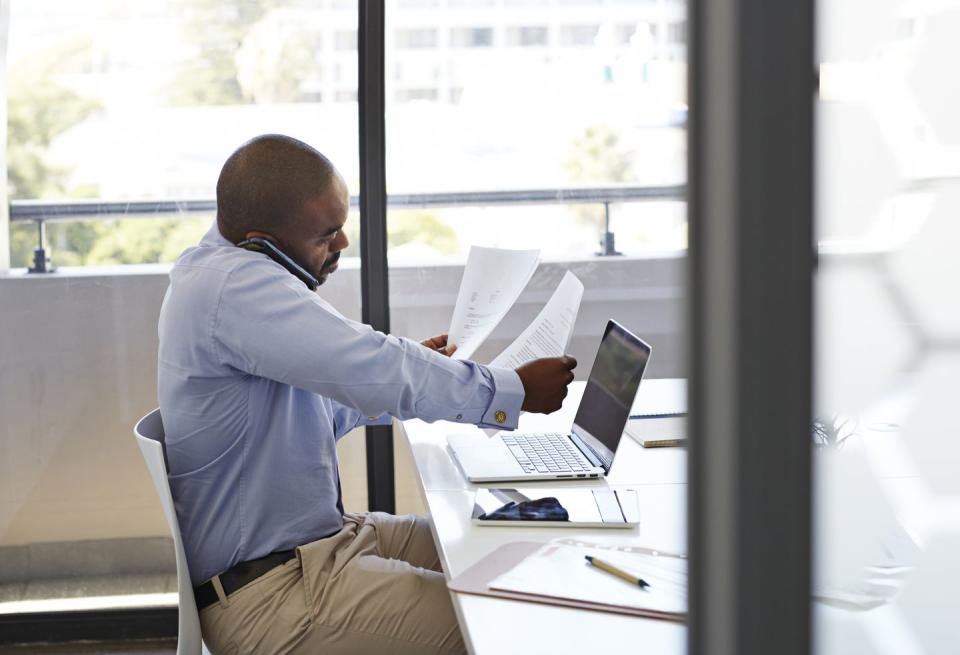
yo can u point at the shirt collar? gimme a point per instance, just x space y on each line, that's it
213 237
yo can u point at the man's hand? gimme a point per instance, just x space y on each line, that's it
439 344
545 383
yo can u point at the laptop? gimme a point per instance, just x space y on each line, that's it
587 451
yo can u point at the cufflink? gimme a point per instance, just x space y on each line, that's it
501 416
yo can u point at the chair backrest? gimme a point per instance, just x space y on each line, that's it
150 438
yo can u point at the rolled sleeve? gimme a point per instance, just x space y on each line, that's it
503 412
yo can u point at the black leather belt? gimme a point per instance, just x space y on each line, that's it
240 575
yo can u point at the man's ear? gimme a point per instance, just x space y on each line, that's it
257 234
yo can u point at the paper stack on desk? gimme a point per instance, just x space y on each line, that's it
559 570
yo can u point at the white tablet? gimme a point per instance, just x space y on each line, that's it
557 507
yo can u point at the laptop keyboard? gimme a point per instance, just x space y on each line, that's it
546 453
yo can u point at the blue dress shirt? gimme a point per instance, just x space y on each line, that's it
257 379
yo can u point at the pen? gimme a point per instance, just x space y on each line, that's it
610 568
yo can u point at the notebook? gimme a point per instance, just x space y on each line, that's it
550 573
559 570
660 397
658 431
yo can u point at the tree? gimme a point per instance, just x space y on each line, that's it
39 109
597 157
408 226
144 240
276 57
216 31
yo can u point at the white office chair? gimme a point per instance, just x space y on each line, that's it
150 436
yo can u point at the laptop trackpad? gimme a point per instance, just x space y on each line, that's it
480 457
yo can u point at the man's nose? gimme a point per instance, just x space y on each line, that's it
340 242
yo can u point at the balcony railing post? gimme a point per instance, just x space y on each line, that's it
608 242
41 260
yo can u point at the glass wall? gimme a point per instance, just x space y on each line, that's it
115 102
887 328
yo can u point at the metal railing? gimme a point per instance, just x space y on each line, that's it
43 211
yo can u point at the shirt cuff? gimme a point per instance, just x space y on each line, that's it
504 409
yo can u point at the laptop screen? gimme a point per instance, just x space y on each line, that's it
610 391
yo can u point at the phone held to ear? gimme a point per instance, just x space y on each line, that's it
262 245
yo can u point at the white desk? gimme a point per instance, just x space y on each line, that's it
494 625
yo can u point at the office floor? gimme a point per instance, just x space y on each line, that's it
162 647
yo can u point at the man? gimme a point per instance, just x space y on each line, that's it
258 377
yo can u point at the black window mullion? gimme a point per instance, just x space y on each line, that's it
373 229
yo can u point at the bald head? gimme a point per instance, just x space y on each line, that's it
265 185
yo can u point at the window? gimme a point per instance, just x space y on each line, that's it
503 132
345 39
623 33
471 37
140 91
416 38
527 36
405 95
677 32
578 35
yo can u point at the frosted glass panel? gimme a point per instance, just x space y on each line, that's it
886 428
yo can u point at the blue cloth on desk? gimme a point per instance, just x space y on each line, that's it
541 509
257 379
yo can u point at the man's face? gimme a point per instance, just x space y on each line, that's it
318 236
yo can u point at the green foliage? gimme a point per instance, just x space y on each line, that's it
832 432
274 61
110 242
244 51
421 227
39 109
408 226
597 157
144 240
216 31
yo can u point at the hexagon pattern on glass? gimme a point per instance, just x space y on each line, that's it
928 265
848 201
887 339
934 76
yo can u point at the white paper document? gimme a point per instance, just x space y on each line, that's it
492 282
549 334
559 570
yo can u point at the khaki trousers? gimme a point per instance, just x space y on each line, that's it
374 587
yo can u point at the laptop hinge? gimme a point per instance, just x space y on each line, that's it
587 451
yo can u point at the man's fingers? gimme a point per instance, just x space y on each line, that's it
435 343
570 377
450 349
569 362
